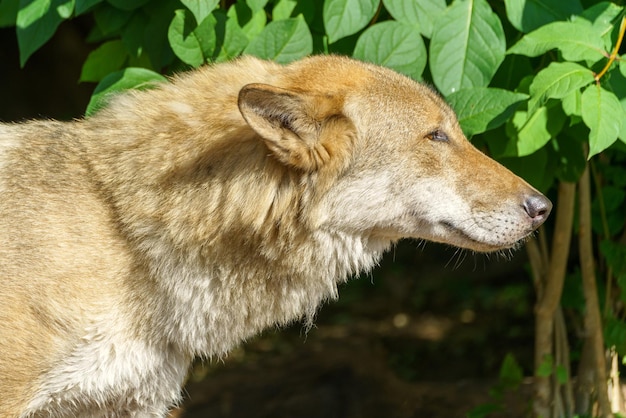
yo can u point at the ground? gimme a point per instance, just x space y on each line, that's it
418 338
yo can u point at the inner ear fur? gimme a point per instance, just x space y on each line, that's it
306 131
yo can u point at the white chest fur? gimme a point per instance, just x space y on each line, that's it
108 370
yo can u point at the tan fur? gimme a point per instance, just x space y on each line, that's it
181 220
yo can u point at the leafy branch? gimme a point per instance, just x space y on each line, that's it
614 52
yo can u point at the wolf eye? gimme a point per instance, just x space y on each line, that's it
438 135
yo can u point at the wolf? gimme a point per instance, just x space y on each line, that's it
180 220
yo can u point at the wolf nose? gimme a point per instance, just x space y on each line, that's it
538 207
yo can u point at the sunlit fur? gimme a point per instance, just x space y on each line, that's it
181 220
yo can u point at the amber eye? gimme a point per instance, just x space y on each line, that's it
438 135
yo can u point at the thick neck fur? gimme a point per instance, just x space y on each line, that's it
236 221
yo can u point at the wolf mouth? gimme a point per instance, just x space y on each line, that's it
489 246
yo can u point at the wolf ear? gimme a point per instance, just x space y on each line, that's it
292 124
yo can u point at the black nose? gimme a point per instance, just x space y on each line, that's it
538 207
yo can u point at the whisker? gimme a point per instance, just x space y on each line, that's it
460 259
452 257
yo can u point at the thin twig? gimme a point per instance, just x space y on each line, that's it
606 235
549 301
593 320
537 266
564 354
620 37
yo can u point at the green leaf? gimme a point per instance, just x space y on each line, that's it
535 168
546 366
603 114
617 84
394 45
133 34
192 43
615 334
556 81
65 10
108 57
235 40
36 22
283 41
200 8
141 61
577 40
8 12
110 19
83 6
622 65
602 15
561 374
528 15
480 109
284 9
532 132
571 103
421 14
347 17
256 5
570 159
128 78
155 42
467 46
251 22
511 374
127 5
205 33
511 72
183 39
255 26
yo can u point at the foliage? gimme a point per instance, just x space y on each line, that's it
510 378
540 85
538 100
